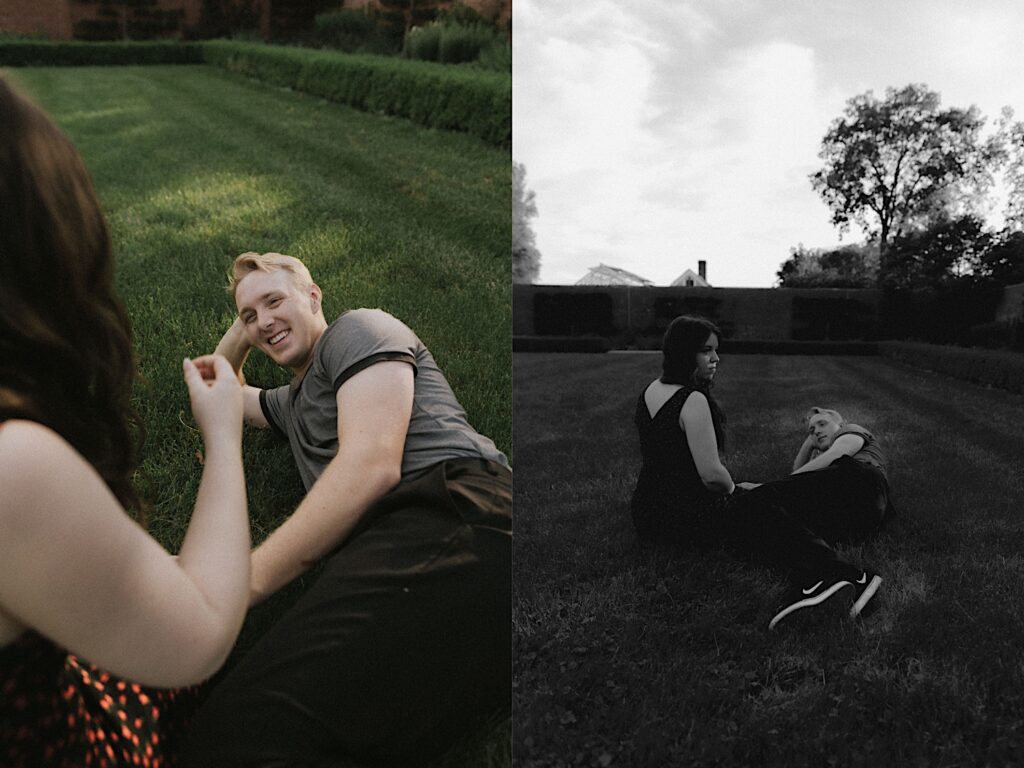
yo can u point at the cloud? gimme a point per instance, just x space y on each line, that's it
667 131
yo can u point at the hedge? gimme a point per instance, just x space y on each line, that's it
36 53
993 368
434 95
464 99
594 344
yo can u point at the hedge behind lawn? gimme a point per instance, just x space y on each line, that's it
435 95
442 96
993 368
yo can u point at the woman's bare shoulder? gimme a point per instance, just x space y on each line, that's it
31 452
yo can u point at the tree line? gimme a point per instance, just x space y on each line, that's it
918 179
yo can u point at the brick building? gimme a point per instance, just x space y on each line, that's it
111 20
93 20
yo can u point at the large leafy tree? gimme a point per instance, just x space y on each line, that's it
525 256
900 163
851 266
943 252
1013 135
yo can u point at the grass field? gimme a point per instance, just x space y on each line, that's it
195 165
634 657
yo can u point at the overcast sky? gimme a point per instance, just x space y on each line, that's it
659 132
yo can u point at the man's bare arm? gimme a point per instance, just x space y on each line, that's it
235 346
374 408
805 453
844 445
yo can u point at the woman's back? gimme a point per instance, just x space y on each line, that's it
668 477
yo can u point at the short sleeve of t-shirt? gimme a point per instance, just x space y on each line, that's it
360 338
854 429
272 404
870 452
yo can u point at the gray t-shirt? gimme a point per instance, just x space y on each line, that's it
869 453
306 411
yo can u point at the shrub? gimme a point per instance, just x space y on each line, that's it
593 344
423 43
496 57
450 42
461 44
472 101
993 368
459 13
353 32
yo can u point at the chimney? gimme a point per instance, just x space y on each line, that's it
702 269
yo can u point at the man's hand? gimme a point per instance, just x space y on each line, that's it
235 346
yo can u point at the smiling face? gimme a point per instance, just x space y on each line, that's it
823 427
707 359
281 318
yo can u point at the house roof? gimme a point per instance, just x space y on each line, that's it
603 274
690 275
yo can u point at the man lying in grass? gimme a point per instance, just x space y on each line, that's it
404 641
685 496
839 487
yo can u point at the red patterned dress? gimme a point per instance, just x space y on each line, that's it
58 711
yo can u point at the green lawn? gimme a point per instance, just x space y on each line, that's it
631 657
195 165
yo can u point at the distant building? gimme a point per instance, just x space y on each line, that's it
96 20
691 279
602 274
148 19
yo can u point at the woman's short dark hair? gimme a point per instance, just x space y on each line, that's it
685 337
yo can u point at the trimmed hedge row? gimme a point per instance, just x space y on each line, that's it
783 347
730 347
434 95
35 53
470 100
594 344
993 368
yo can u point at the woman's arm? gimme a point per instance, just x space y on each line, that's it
805 453
844 445
695 420
76 568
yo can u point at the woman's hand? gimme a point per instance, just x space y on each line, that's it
216 397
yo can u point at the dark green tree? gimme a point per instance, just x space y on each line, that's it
896 164
525 256
851 266
945 251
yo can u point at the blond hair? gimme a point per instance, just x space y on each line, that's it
250 262
827 412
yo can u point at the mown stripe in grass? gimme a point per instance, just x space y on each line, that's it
195 165
932 677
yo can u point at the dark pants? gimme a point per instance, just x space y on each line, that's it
402 645
751 524
844 503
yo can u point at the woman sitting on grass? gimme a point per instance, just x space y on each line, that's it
839 486
85 592
686 498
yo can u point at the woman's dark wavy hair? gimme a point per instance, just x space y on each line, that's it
685 337
66 356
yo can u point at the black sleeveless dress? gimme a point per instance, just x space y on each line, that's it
59 711
670 502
